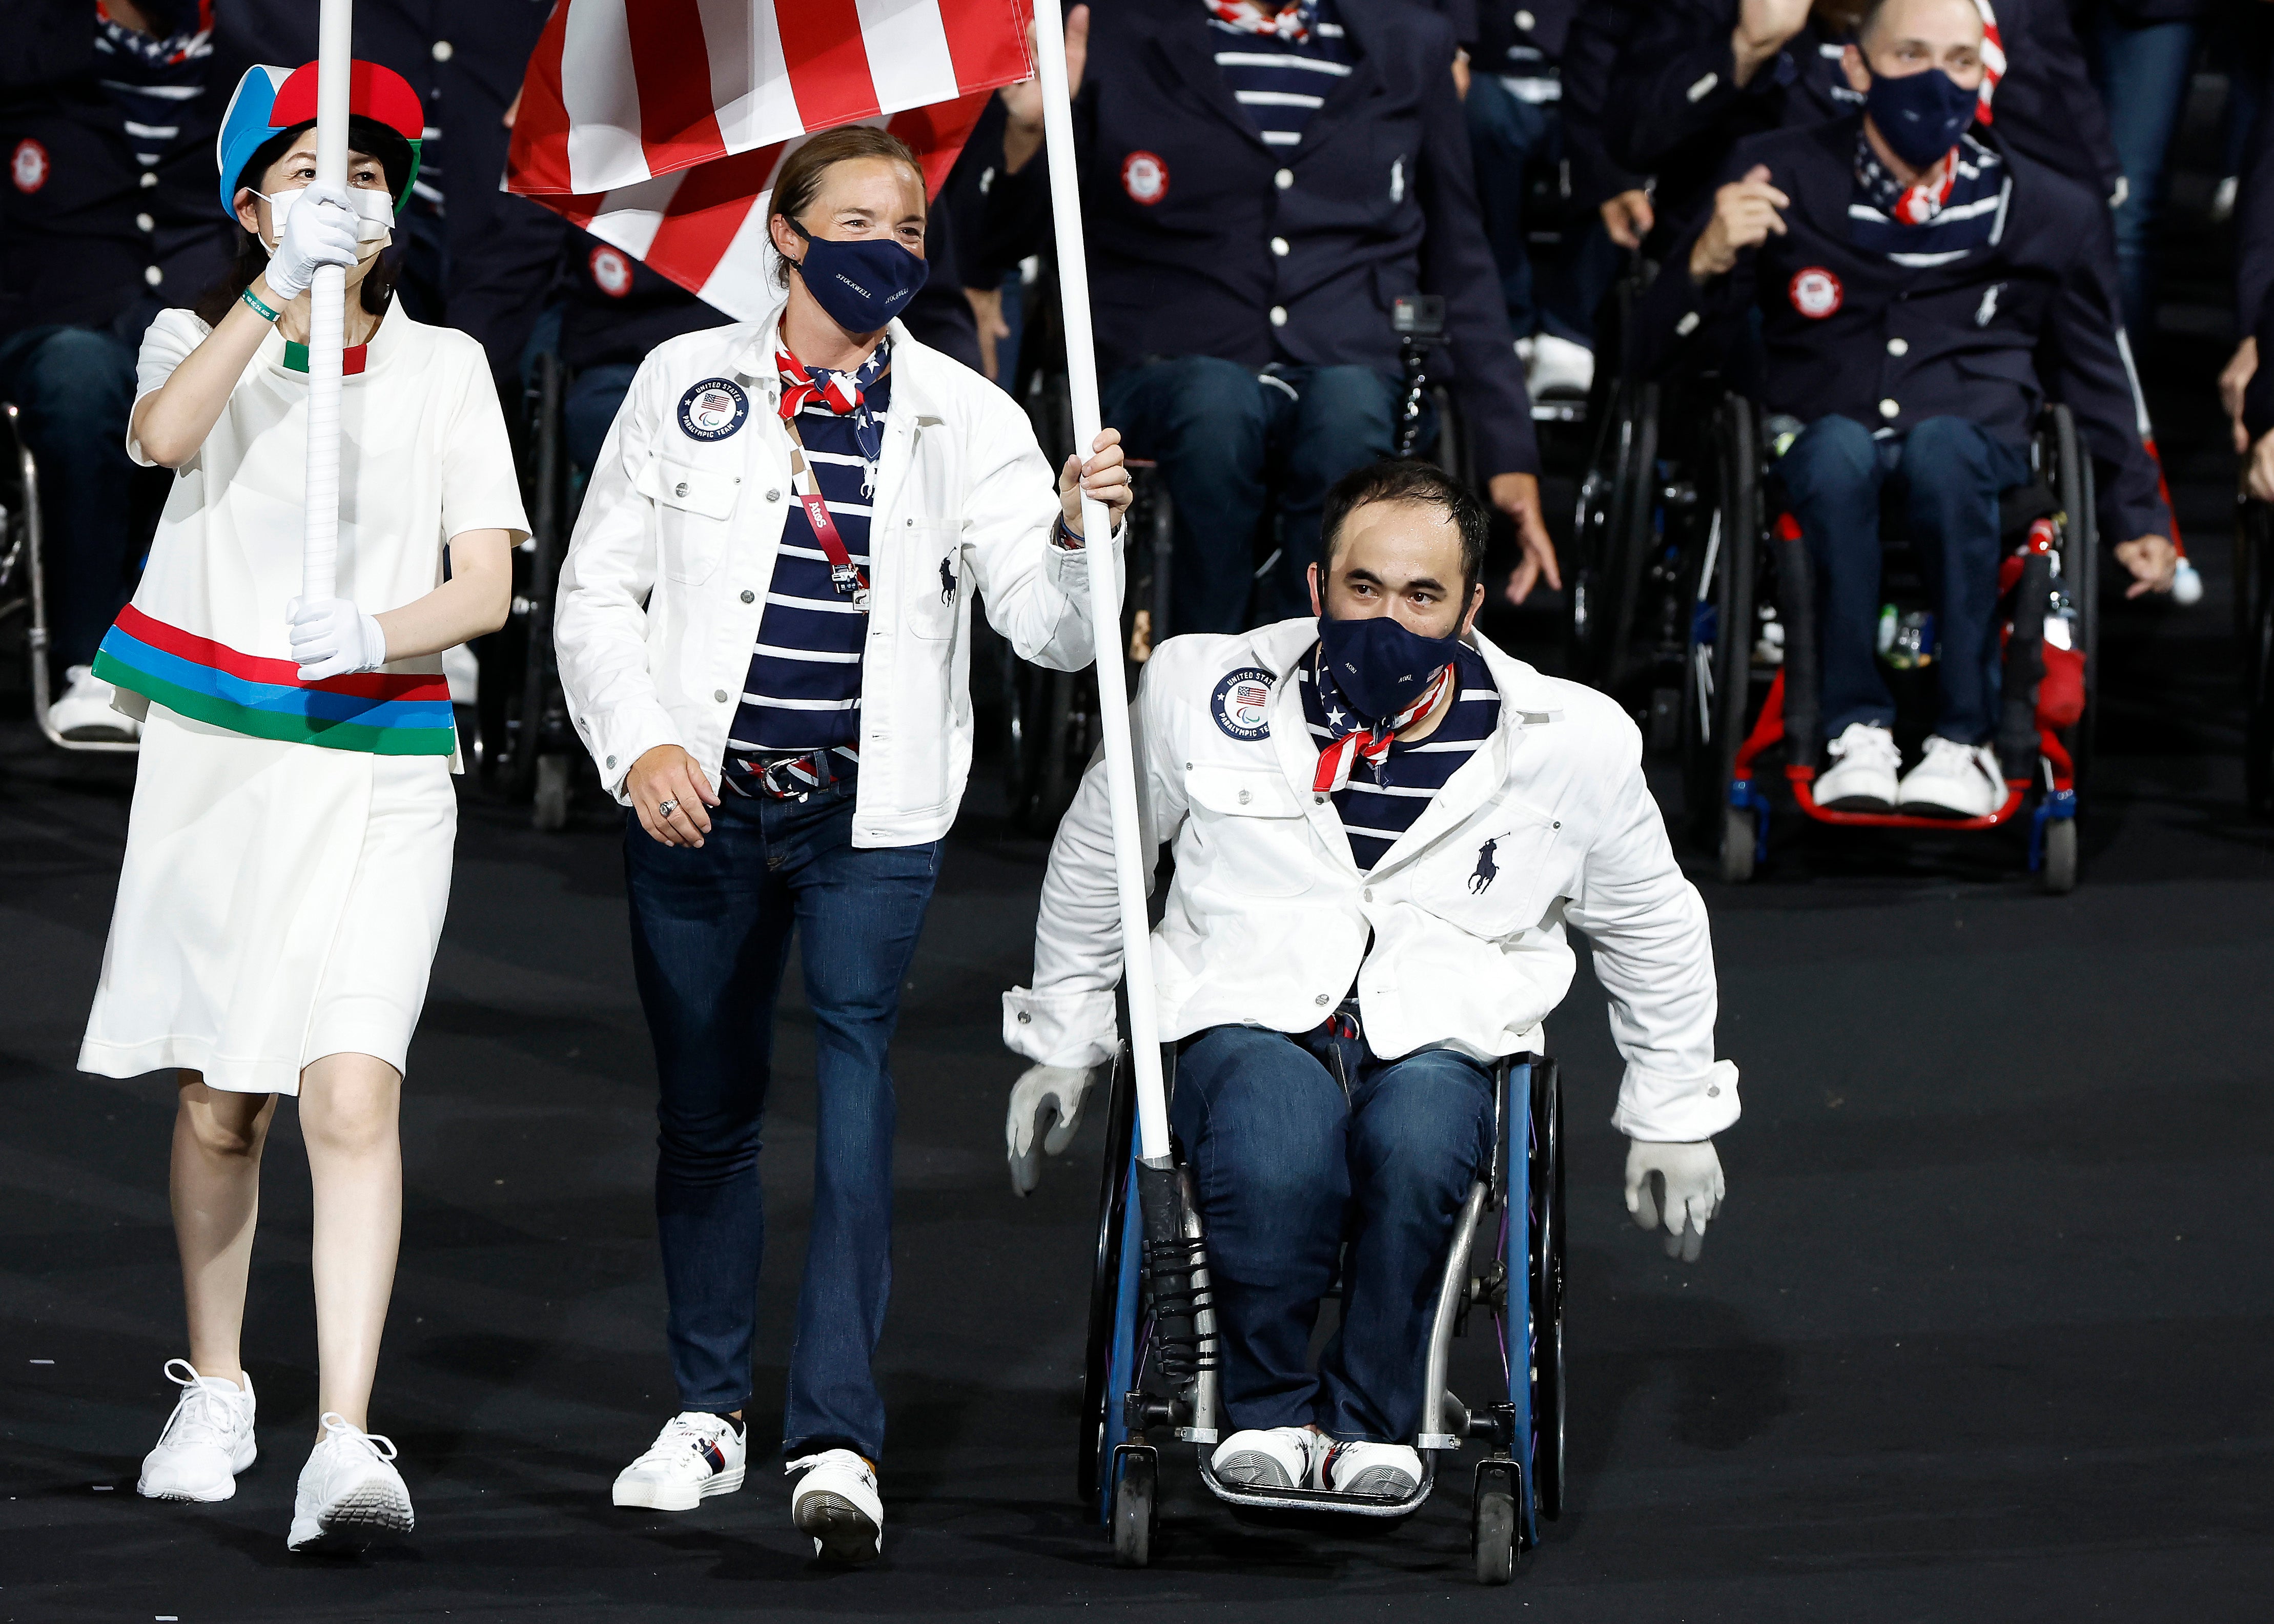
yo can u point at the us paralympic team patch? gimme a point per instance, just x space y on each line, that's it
713 409
1242 704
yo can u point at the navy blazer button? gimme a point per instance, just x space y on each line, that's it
1283 179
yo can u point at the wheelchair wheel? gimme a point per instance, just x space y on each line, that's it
549 798
2056 871
1545 1184
1101 1395
1136 1486
2082 563
1493 1535
1717 676
2253 592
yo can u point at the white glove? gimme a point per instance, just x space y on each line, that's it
1683 1183
331 637
319 228
1045 1105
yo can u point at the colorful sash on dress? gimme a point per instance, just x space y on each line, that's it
375 712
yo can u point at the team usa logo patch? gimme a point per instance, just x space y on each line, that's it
1145 177
713 409
28 167
1815 292
612 273
1242 703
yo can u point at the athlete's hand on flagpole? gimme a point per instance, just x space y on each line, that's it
666 776
1104 476
1022 134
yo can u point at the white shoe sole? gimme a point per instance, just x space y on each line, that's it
226 1489
1935 808
370 1513
1858 803
841 1530
645 1496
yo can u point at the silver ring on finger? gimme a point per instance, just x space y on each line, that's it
666 808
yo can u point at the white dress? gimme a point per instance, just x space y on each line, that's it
288 855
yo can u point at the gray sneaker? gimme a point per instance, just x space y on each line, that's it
350 1494
207 1440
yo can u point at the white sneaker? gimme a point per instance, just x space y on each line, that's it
350 1494
696 1454
207 1440
837 1503
1954 780
1862 776
1391 1471
1270 1457
1556 366
85 712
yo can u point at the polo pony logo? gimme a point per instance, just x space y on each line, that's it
1486 870
946 581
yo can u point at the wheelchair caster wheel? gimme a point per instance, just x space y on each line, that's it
2056 873
1135 1487
1494 1536
549 810
1737 837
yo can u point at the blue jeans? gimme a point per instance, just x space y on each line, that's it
710 932
1952 472
76 387
1511 138
1221 433
2142 75
1288 1159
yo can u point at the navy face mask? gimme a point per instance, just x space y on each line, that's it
1381 666
1920 114
860 285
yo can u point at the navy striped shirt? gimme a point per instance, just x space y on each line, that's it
1280 83
1922 226
803 690
1381 803
153 81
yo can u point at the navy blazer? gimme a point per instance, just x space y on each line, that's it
1204 241
1987 338
1675 110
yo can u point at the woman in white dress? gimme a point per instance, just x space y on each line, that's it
288 857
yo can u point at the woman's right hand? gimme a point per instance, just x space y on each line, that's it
319 229
667 774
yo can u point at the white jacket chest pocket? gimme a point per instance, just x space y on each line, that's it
1253 827
695 507
931 564
1498 876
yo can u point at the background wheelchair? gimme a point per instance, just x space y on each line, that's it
1750 674
23 579
1151 1371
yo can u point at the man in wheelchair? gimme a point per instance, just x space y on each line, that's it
1380 825
1920 291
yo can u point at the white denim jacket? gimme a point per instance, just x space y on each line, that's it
666 579
1268 920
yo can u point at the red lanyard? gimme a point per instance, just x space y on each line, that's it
844 575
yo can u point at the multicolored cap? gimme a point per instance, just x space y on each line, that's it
269 99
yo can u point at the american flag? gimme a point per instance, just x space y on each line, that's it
659 126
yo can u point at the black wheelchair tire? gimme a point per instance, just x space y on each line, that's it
1104 1280
2057 870
1135 1492
1546 1177
1713 725
2078 506
1493 1535
1738 840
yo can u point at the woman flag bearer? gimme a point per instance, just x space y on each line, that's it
287 858
765 637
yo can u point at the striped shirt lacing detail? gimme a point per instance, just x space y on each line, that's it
1281 82
1381 803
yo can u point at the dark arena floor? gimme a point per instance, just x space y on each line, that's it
1983 1334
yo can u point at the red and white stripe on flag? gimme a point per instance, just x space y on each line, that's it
658 125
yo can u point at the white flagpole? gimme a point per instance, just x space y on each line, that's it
319 538
1130 860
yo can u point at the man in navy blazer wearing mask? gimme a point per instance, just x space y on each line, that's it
1923 288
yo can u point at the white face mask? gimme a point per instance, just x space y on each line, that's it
374 209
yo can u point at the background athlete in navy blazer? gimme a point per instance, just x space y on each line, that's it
1207 242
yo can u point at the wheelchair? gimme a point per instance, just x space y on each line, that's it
23 579
1750 674
1149 1376
2254 629
521 740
